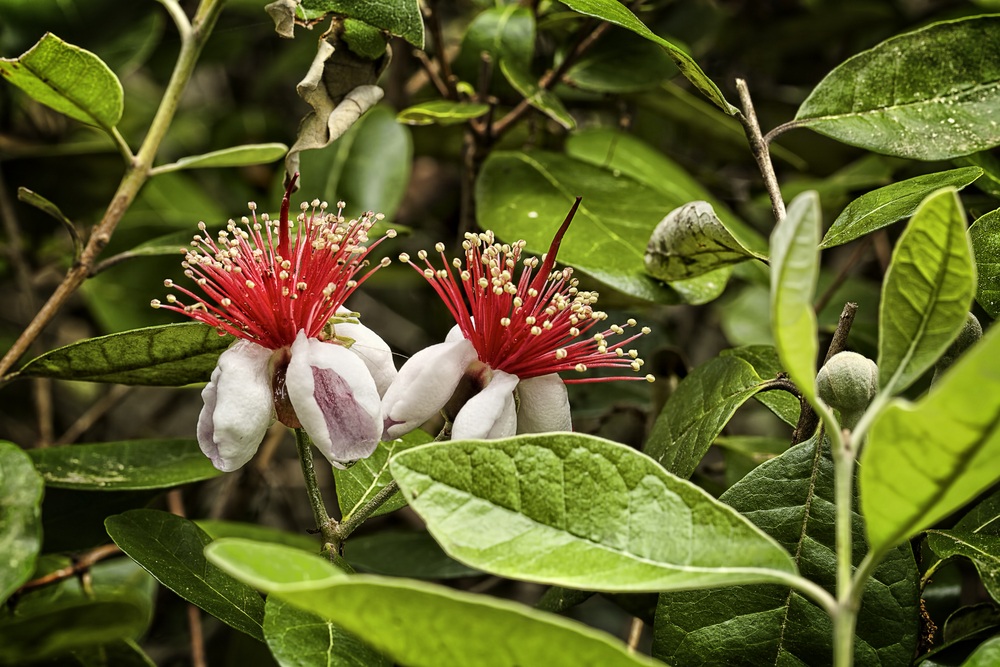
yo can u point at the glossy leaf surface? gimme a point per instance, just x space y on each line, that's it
21 491
985 236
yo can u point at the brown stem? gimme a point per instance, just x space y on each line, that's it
114 396
80 565
434 25
760 150
808 420
432 74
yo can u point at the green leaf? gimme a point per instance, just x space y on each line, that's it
698 410
505 33
930 94
404 554
445 627
251 531
399 17
765 361
620 63
129 465
69 79
361 482
272 567
354 169
990 164
169 355
882 207
578 511
981 548
174 243
985 237
927 291
64 617
441 112
170 548
925 460
21 491
986 654
237 156
364 40
624 153
544 100
791 498
690 242
613 11
298 638
794 272
527 195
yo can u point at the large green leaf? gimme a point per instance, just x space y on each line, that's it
625 153
792 498
927 291
690 242
237 156
298 638
63 617
69 79
985 236
930 94
170 548
981 548
361 482
527 196
404 554
398 17
615 12
986 654
354 168
882 207
925 460
443 627
794 272
21 491
505 33
168 355
129 465
578 511
698 410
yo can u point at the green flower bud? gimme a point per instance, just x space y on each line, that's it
967 337
847 383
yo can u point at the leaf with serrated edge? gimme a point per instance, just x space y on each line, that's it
578 511
985 236
444 627
170 548
297 638
794 273
168 355
925 460
791 497
698 410
21 491
882 207
927 291
613 11
930 94
69 79
129 465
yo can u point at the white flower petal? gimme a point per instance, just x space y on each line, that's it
335 398
454 334
544 405
372 350
238 406
489 415
424 384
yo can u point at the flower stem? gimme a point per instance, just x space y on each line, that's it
326 526
342 530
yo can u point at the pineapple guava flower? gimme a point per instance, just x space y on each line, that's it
512 333
301 356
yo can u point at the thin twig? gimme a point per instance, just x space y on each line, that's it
343 530
95 412
175 503
435 78
81 564
635 633
434 25
760 150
